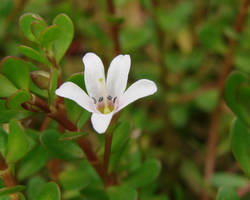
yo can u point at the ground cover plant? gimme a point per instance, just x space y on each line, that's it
124 100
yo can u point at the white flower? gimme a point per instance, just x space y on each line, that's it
105 98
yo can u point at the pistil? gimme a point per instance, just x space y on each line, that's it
106 109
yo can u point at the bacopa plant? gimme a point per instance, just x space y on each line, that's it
58 161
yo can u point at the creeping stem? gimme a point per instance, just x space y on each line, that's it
214 124
107 152
8 179
59 115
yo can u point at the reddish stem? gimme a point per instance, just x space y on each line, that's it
60 116
7 177
108 144
114 28
215 118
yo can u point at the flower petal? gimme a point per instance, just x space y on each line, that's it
93 72
100 122
136 91
74 92
117 76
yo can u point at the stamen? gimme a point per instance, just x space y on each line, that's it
100 99
94 100
114 99
109 98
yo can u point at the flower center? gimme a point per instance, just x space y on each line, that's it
105 103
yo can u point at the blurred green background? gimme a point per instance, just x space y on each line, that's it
179 44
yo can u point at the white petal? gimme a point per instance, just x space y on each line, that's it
100 122
117 76
93 72
74 92
136 91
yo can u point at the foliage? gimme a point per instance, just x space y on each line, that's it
159 144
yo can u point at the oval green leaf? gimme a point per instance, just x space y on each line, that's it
50 191
25 22
33 54
14 101
49 35
17 71
65 150
65 35
11 190
146 174
18 144
227 193
122 193
6 87
232 87
241 145
53 84
32 162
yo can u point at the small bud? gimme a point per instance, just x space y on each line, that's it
40 78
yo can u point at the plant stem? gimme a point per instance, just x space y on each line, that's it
243 190
114 28
92 157
8 179
215 118
107 151
59 114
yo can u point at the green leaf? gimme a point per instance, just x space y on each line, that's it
32 162
122 193
176 18
227 193
25 22
6 87
65 150
83 118
34 187
49 35
78 179
17 71
6 7
38 91
208 100
7 115
133 38
50 191
65 36
17 142
71 136
241 145
33 54
120 136
15 100
37 28
3 142
146 174
22 197
52 85
94 193
211 37
11 190
233 95
220 179
75 112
